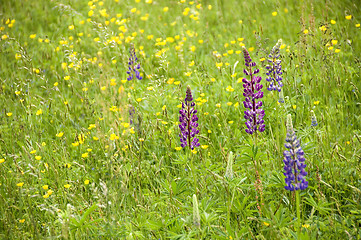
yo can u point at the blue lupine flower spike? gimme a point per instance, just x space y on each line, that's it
274 69
133 66
294 159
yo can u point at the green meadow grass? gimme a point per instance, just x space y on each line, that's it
75 164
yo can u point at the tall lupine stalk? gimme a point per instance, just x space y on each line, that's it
252 92
188 126
294 160
254 113
134 118
188 122
133 65
274 69
294 167
131 114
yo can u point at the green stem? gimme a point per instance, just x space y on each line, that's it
298 209
228 222
193 173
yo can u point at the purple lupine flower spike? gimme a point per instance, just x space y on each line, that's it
294 160
188 122
133 66
252 92
131 114
274 69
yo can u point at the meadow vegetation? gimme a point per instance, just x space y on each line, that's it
88 152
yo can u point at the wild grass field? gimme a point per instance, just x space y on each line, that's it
93 149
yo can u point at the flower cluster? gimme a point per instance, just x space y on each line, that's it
133 66
188 122
252 92
294 161
274 68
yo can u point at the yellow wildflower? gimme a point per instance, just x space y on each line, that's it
229 89
20 184
59 135
113 137
305 225
39 112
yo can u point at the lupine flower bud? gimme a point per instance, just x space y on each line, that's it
133 66
229 169
188 122
274 73
313 119
294 160
196 216
281 98
252 92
